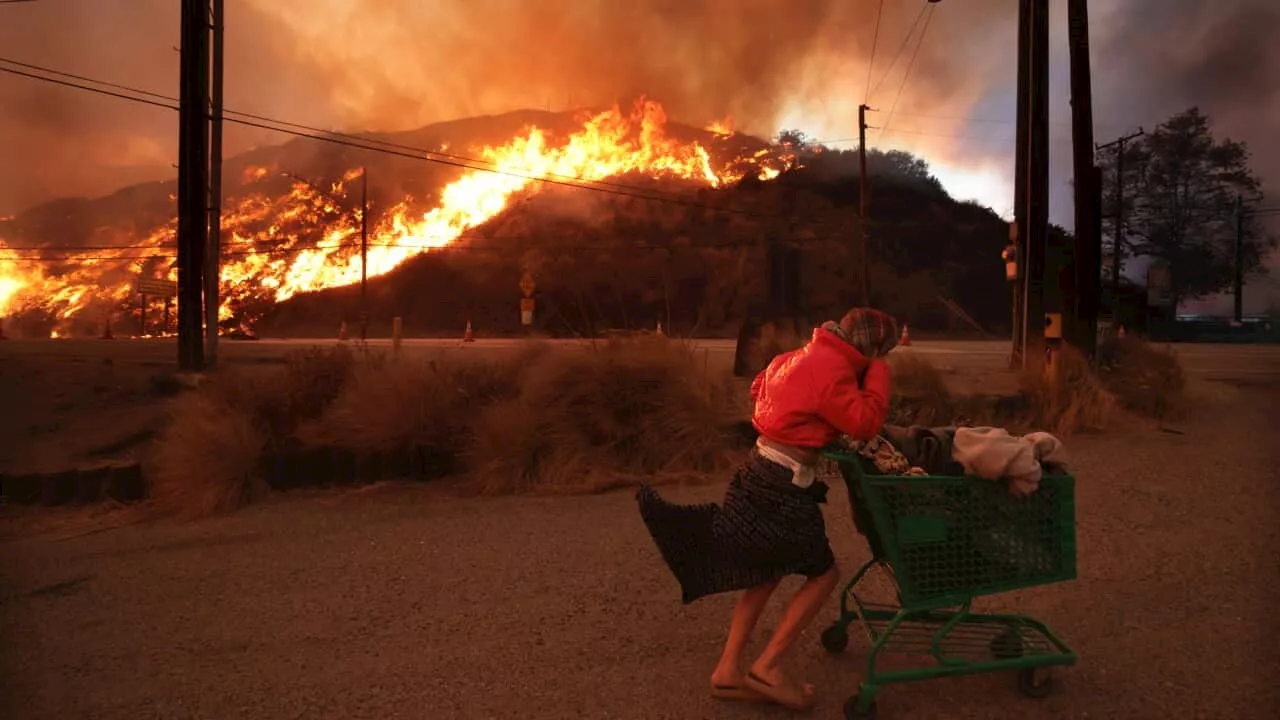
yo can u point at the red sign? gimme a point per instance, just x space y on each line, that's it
526 285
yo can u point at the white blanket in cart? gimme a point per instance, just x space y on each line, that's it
993 454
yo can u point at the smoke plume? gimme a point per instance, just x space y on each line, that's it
399 64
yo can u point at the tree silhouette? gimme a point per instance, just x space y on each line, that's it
1181 187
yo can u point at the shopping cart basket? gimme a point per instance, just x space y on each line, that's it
943 541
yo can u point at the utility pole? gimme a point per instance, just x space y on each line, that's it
1239 280
1033 119
863 249
213 254
1082 307
364 253
193 182
1018 228
1117 249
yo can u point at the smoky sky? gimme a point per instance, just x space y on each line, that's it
770 64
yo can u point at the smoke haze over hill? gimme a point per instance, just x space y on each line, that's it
770 64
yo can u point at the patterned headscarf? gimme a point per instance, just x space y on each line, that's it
871 332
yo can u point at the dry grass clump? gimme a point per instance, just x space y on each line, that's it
206 459
604 416
1079 401
537 420
395 404
1143 378
920 395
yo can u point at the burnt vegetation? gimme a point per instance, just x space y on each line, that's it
698 262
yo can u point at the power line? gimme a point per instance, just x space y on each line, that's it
905 40
910 64
875 40
82 87
371 144
308 128
423 249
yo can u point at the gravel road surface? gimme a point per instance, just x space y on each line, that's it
414 602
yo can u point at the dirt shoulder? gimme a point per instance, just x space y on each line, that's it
409 601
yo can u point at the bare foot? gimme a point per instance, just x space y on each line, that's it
726 677
727 684
778 687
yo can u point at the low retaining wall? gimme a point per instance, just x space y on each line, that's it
287 470
124 483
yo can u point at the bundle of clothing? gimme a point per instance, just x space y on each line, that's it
986 452
1013 544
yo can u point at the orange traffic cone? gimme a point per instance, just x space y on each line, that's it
467 335
342 331
906 336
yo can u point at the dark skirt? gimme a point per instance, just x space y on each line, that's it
766 529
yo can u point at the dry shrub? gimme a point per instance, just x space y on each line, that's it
774 340
205 460
1143 378
1078 402
397 404
920 395
590 419
312 379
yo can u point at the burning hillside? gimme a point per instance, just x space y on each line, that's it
285 236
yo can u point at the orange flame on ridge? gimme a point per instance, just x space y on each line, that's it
304 240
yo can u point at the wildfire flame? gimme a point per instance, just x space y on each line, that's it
276 247
723 128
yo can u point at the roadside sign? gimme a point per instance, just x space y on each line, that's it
159 288
526 285
526 311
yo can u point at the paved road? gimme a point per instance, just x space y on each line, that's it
409 602
1219 361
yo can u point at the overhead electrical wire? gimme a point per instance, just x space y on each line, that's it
875 40
930 7
910 31
360 142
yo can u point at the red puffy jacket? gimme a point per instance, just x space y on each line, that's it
807 397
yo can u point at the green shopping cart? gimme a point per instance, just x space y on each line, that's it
941 542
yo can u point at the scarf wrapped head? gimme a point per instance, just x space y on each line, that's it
871 332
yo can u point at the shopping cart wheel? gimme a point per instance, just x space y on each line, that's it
1035 683
851 710
835 638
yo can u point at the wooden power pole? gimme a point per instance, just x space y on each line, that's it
1018 229
1239 278
1117 241
193 181
364 253
1033 213
863 245
1082 306
213 251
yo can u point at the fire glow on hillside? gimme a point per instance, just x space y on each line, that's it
276 247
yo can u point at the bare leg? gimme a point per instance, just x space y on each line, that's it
800 612
728 672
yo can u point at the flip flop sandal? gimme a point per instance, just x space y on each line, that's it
786 694
736 692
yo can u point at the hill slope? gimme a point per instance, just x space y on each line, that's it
698 265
